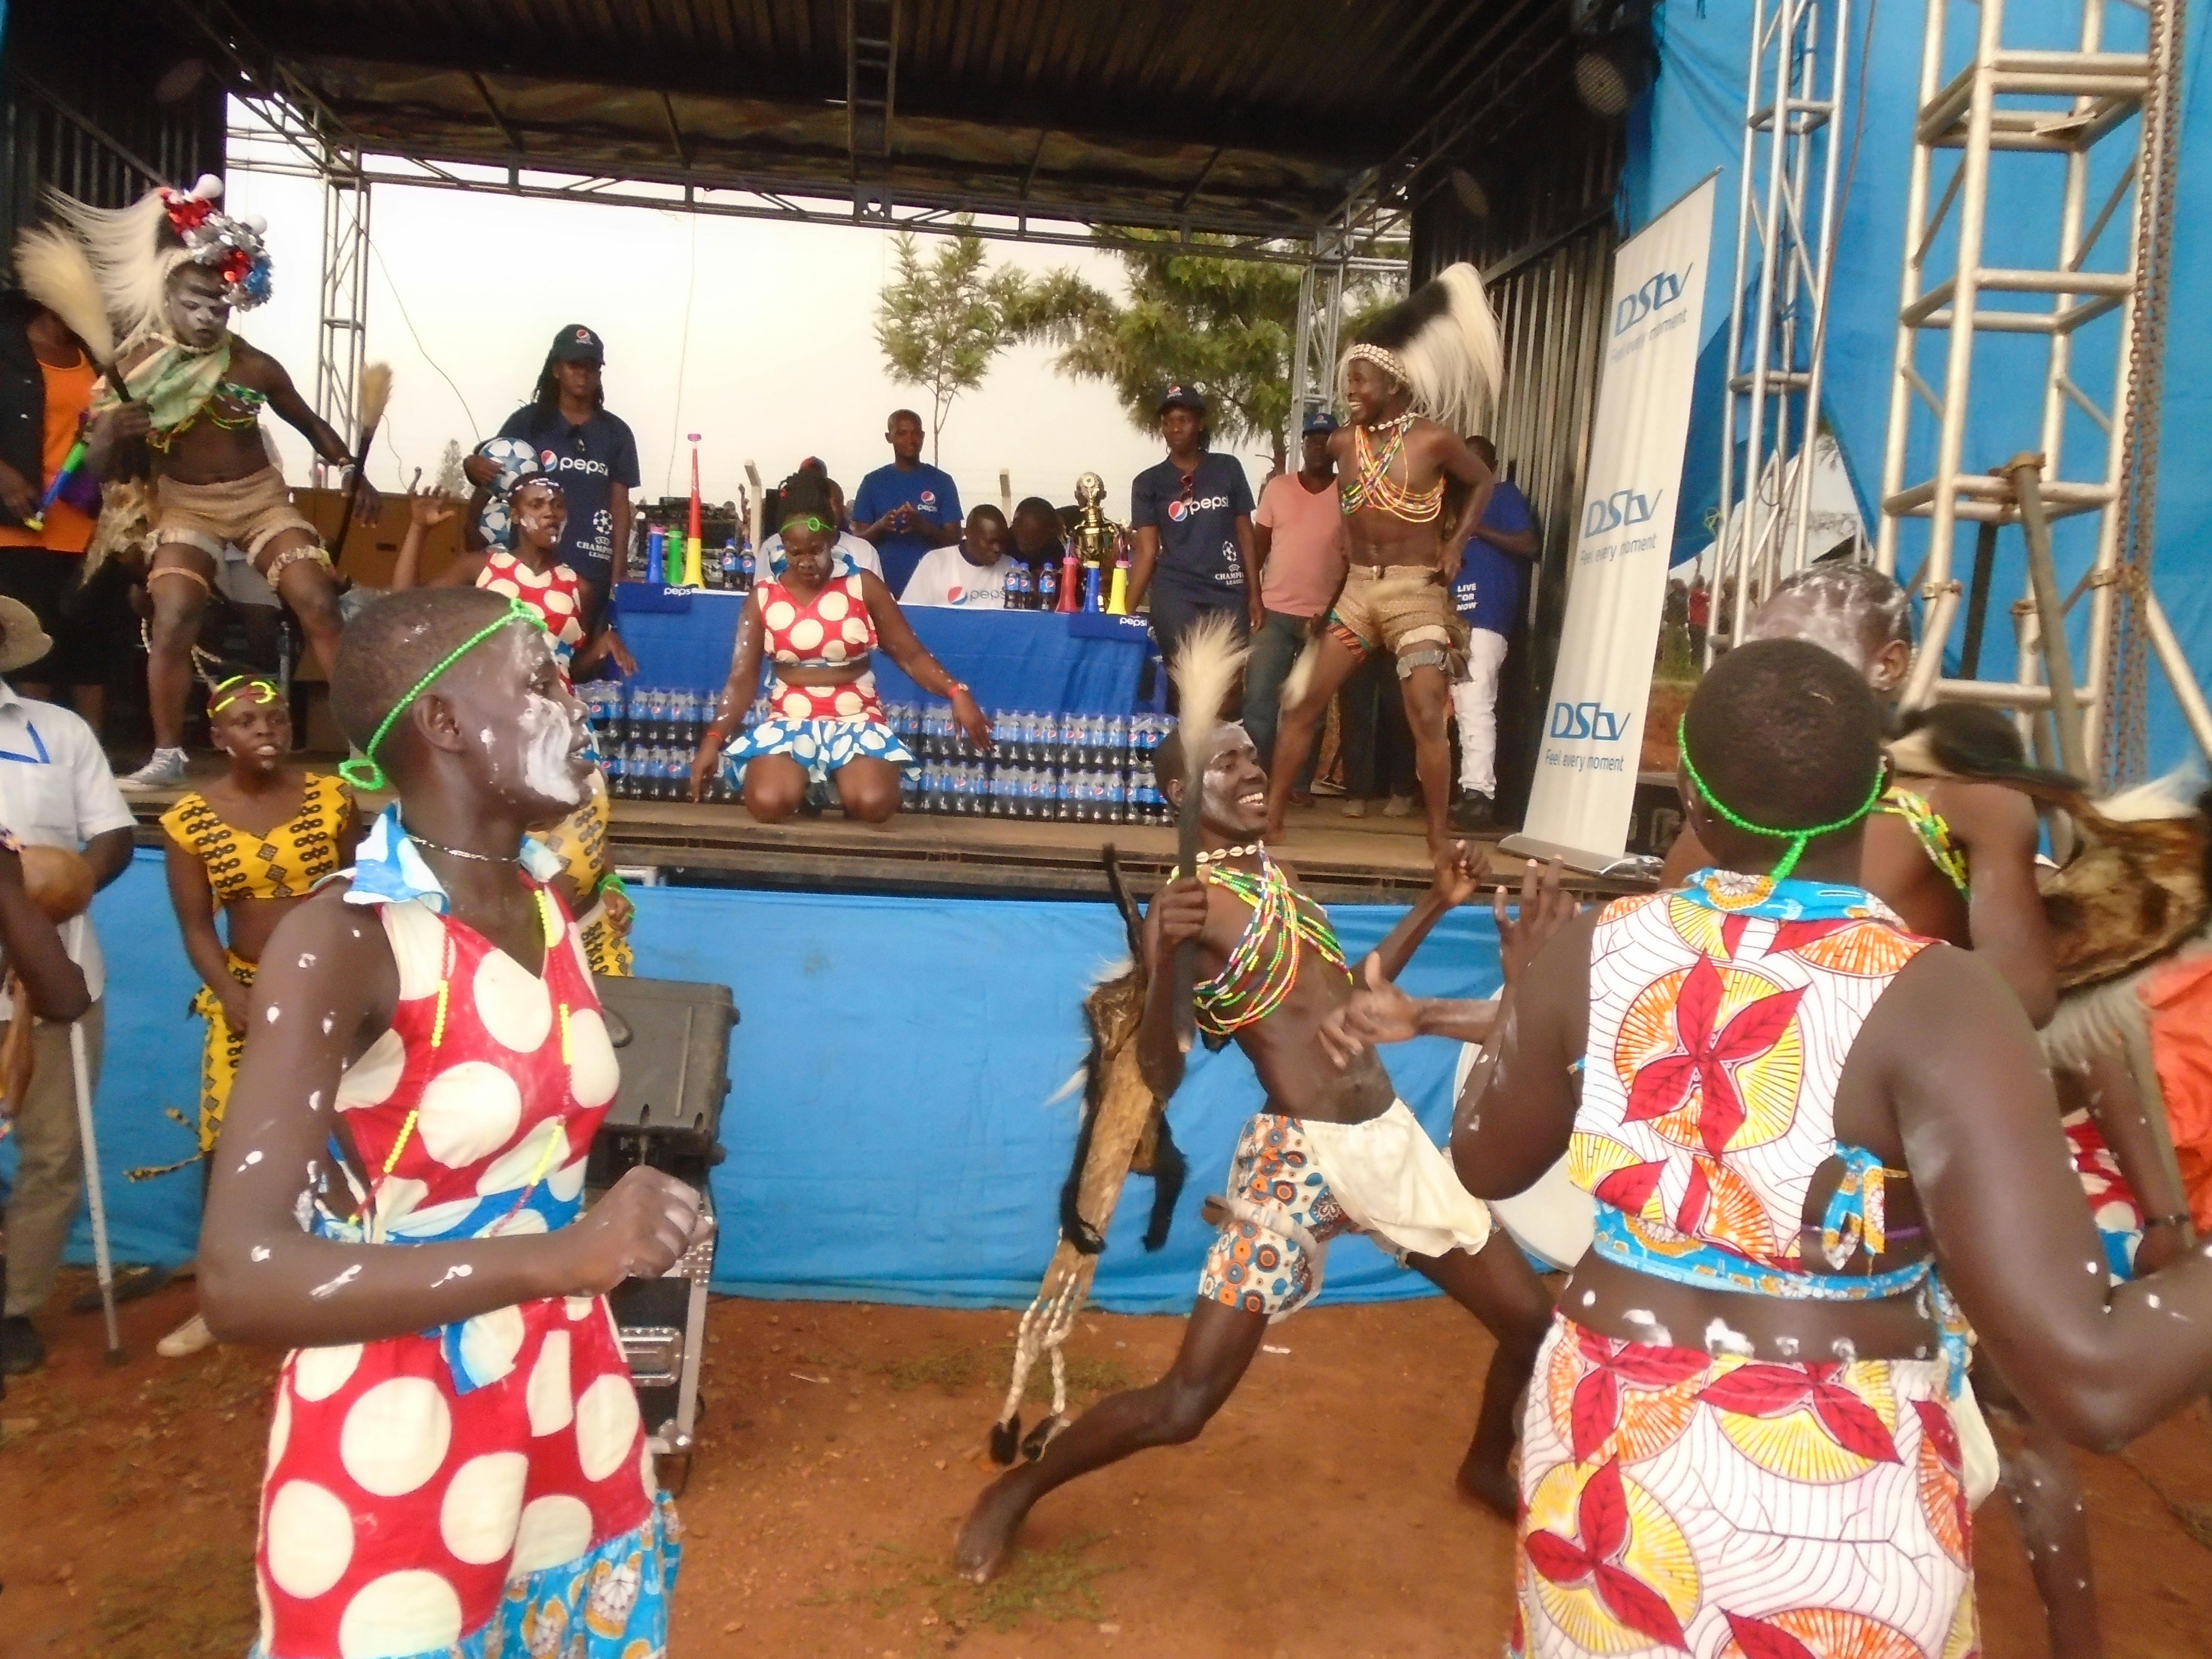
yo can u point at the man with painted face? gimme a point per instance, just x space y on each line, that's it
1420 374
398 1192
172 267
1332 1151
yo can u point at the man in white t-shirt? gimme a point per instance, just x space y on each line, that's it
56 790
971 573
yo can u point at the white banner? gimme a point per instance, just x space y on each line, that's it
1585 784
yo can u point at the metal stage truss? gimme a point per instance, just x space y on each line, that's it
1786 210
2015 118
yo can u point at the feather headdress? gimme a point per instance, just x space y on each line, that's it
1207 660
1442 344
134 250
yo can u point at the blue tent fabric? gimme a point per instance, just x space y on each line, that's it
889 1127
1691 122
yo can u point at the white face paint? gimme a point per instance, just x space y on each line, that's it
1723 1338
459 1270
1844 1349
332 1286
1786 1347
549 739
252 1158
274 1010
258 1253
307 959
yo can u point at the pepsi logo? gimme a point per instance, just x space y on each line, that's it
1178 511
954 595
547 458
583 335
928 498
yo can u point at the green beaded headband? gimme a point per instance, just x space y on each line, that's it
365 773
819 525
1798 839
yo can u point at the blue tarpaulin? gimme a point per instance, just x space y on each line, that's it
1692 123
890 1133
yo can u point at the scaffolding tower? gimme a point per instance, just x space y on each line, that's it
2109 118
1777 320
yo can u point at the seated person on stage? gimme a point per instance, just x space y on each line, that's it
250 848
825 720
172 266
1034 535
456 1461
526 569
1331 1151
972 574
1815 1140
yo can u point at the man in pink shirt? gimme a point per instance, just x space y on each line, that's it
1298 552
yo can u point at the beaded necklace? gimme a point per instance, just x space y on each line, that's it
1373 486
1259 972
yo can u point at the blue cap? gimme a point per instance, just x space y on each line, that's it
1320 421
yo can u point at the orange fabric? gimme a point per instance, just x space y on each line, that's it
69 394
2178 1001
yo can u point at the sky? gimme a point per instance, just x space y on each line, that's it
759 337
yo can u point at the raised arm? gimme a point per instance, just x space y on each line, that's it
1177 913
736 695
265 1279
2012 1231
2000 832
1457 461
1459 872
424 514
897 636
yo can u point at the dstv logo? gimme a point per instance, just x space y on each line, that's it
1588 719
1656 295
1623 510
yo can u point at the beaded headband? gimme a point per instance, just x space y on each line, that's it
1798 839
1389 362
365 773
820 526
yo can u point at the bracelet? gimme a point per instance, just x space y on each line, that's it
2179 1219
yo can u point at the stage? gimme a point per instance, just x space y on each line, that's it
1369 860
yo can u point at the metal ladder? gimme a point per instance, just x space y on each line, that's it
2022 105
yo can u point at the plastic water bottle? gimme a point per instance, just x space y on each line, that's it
1015 595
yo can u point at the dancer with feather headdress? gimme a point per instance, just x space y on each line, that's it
1421 378
1333 1150
171 268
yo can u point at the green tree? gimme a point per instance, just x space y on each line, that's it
1227 325
940 321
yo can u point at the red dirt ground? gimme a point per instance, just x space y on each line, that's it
841 1446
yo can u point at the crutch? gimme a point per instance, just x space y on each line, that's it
81 1074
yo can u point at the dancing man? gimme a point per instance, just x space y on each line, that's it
172 267
456 1461
1742 1437
1418 376
1332 1152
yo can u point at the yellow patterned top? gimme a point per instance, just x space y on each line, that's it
286 863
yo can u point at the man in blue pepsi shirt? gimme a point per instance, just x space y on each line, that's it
1192 515
1488 595
907 507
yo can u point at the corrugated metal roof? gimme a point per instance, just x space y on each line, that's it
1224 113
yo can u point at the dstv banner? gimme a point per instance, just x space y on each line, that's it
1585 783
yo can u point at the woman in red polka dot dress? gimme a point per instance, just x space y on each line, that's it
456 1462
824 720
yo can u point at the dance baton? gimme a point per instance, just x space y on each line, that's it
375 392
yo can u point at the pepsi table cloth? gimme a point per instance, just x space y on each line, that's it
684 638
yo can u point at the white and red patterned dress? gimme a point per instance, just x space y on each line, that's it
487 1486
556 594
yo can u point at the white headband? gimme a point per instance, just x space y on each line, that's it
1388 362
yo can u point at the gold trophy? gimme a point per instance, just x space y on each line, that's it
1100 544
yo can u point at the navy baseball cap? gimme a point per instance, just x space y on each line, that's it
577 344
1320 421
1182 396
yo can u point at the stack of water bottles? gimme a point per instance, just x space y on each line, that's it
1048 766
647 735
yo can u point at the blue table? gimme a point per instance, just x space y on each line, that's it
684 638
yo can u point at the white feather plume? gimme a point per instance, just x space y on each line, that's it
1207 660
127 256
54 269
1299 679
2173 796
375 392
1455 360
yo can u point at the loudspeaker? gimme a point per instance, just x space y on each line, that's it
672 1038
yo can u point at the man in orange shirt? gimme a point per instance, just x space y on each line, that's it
46 380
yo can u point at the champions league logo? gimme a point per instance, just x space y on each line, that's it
603 522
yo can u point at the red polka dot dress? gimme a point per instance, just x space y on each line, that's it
822 728
487 1488
556 594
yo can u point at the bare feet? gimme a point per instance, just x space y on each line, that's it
1490 1485
988 1532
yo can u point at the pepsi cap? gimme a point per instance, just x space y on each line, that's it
577 344
1320 421
1182 396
